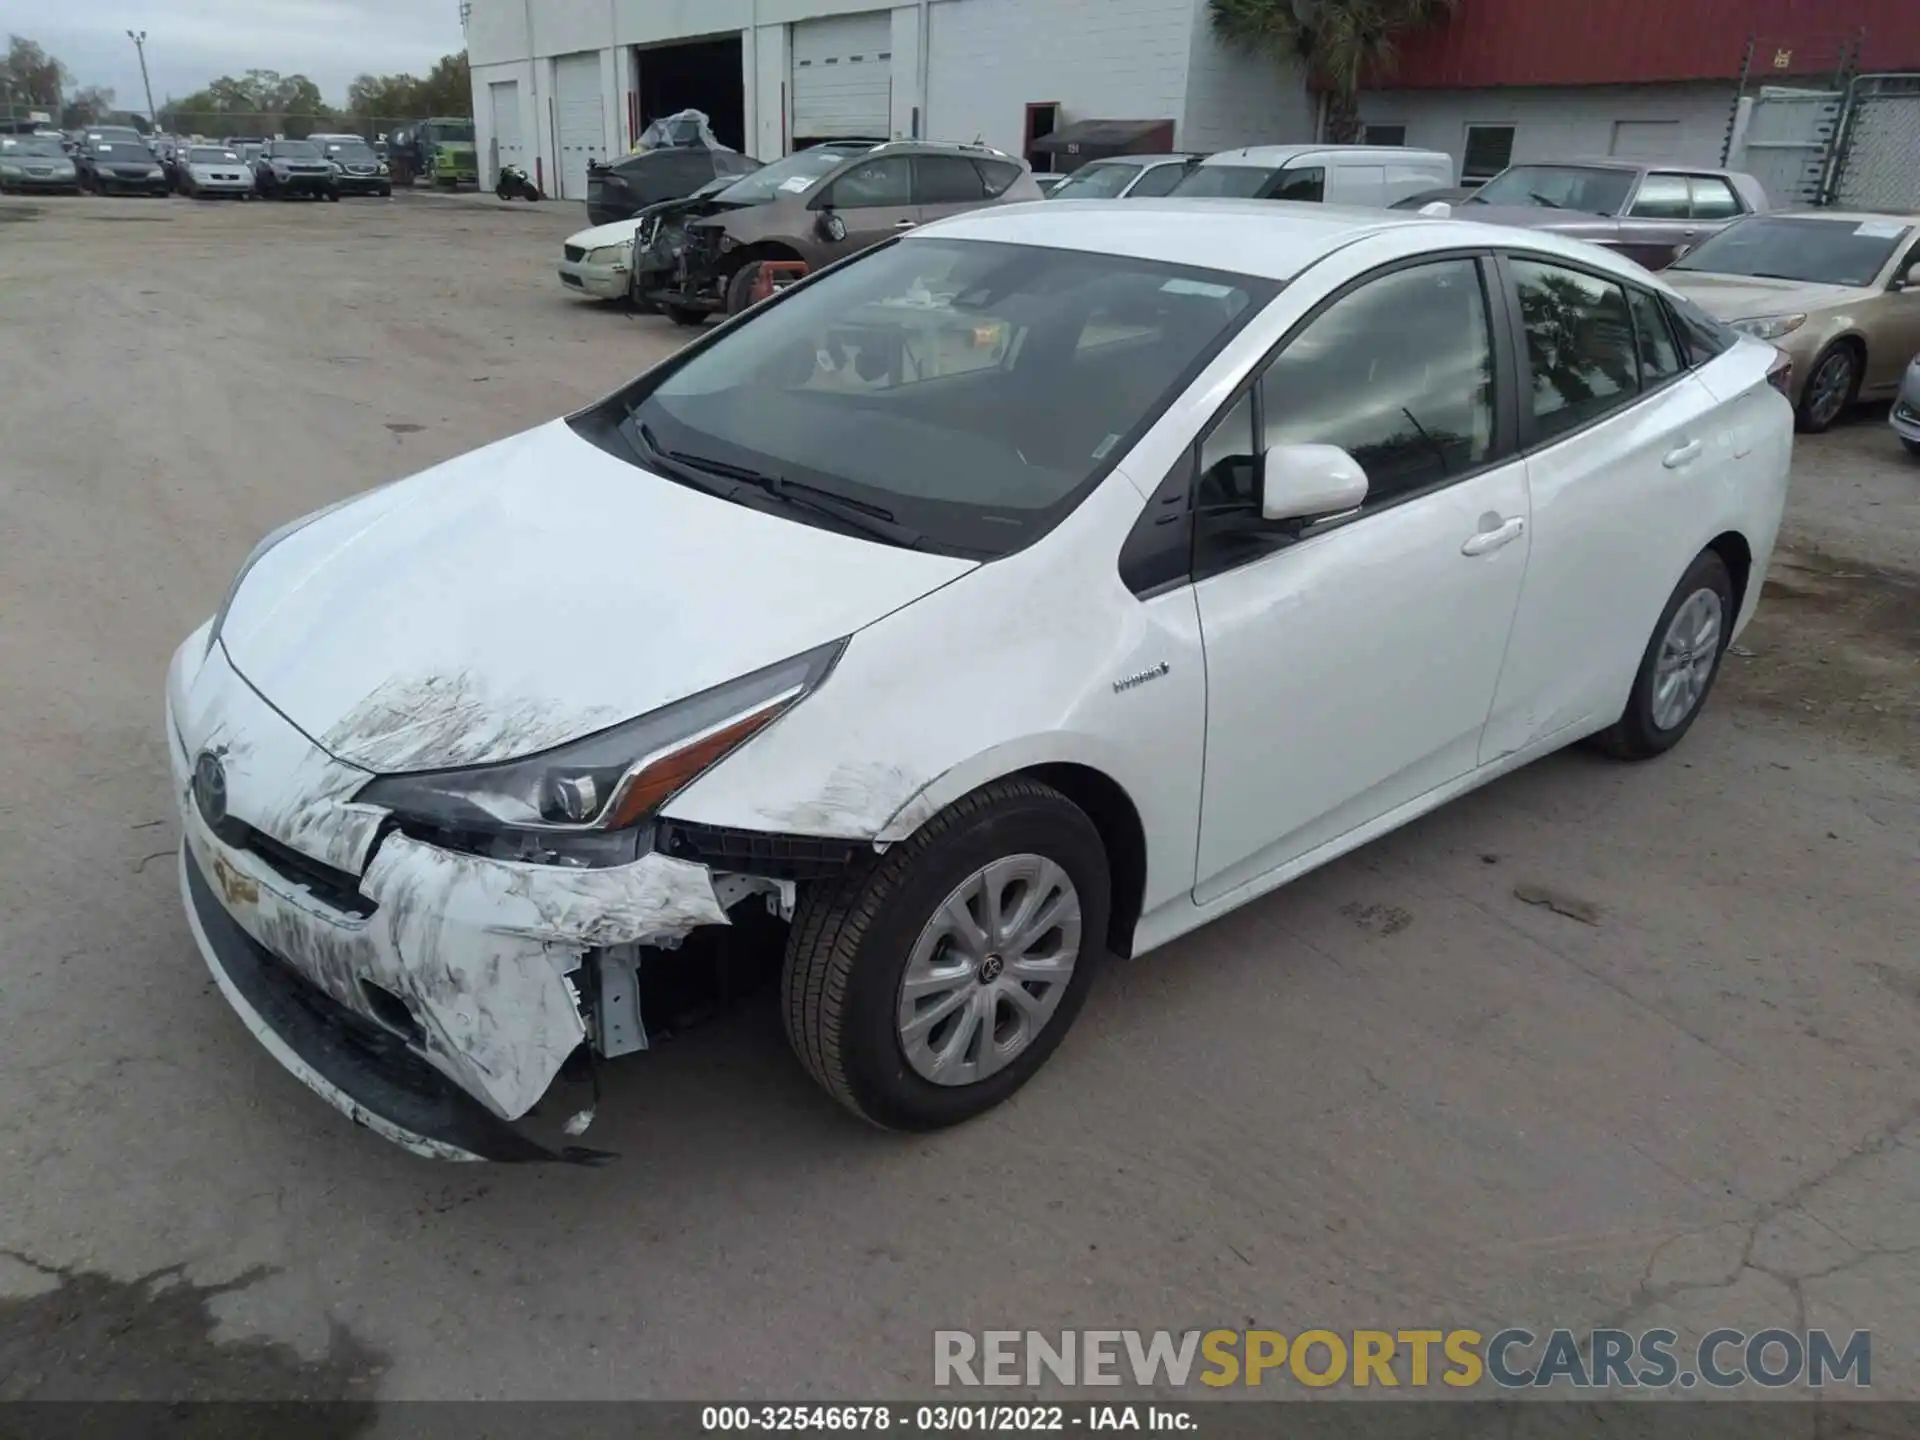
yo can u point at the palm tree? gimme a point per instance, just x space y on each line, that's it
1339 41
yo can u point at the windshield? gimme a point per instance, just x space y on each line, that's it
350 149
30 145
200 155
1096 182
450 132
295 150
968 392
1226 181
1591 189
1818 250
116 137
789 176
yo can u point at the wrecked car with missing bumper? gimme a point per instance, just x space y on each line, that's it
977 609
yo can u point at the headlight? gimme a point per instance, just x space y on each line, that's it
611 254
383 167
254 557
579 804
9 169
1769 327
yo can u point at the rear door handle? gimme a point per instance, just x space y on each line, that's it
1487 541
1682 456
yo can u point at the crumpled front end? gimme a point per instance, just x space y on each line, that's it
431 995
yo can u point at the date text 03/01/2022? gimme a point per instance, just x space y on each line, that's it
945 1419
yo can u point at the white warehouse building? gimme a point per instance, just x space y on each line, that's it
559 82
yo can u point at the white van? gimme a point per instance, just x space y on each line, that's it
1375 175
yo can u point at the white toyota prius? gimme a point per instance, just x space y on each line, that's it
1015 596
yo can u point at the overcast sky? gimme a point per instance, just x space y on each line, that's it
190 42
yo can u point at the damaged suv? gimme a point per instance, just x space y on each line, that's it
967 614
812 214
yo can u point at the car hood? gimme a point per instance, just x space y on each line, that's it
1533 217
1741 297
536 591
611 233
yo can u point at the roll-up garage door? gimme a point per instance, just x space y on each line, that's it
579 119
503 97
843 76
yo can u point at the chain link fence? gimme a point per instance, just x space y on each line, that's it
1877 166
217 126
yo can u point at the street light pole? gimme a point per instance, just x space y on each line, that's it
139 38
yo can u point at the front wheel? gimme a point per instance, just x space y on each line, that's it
684 315
1913 447
740 287
927 987
1680 665
1831 386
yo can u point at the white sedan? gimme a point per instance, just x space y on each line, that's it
1020 595
210 170
599 262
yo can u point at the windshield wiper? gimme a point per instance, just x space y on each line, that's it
868 519
1539 199
648 451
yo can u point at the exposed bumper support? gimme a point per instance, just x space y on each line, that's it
368 1076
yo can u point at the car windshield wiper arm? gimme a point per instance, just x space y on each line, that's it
647 448
868 519
1540 199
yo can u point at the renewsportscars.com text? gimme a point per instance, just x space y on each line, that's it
1512 1358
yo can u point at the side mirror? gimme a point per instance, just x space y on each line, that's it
1308 482
1910 280
830 226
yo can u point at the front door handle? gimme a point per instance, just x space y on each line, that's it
1682 456
1487 541
905 224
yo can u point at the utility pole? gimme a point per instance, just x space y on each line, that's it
139 38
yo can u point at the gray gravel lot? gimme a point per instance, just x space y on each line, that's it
1392 1094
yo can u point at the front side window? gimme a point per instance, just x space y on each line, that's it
873 183
1662 197
972 392
1580 347
1306 183
1713 198
1398 373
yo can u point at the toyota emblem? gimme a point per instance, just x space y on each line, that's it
210 787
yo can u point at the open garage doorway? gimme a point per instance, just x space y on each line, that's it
703 75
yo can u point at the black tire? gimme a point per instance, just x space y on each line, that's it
334 196
740 287
1812 418
685 315
1913 446
1636 735
851 940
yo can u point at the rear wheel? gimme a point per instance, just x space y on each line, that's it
929 985
685 315
1832 384
1680 665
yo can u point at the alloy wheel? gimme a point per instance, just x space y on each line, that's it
1688 652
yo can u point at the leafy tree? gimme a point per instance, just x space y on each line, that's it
1341 42
445 90
260 99
89 105
31 77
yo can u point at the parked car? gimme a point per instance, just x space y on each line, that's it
1137 177
815 220
1838 291
1649 213
626 187
357 170
36 163
598 262
287 168
210 171
433 833
114 161
1369 175
1906 409
661 236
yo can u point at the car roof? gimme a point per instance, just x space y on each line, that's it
1615 162
1281 154
1269 238
1849 217
1167 159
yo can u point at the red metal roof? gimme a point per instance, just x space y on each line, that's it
1599 42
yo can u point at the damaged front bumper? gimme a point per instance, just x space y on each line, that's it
430 995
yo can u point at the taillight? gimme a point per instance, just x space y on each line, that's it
1780 373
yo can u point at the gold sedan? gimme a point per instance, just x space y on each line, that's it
1839 291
